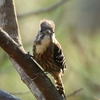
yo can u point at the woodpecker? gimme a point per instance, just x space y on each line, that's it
48 53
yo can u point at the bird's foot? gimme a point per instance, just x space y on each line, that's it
38 74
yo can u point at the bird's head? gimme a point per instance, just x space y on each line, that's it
45 35
46 27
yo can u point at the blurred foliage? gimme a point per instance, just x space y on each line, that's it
77 29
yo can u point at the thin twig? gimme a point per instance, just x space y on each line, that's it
74 93
20 93
46 9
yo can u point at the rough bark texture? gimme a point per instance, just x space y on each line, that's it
9 20
27 68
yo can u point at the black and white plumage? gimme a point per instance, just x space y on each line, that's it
48 53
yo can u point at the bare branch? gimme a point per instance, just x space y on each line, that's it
41 87
41 84
6 96
8 20
43 10
74 93
20 93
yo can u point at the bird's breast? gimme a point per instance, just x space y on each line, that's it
43 45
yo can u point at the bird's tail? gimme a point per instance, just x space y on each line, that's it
59 84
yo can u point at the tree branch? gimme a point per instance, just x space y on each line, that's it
74 93
31 68
27 68
6 96
43 10
20 93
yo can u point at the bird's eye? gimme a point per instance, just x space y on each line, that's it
46 31
42 31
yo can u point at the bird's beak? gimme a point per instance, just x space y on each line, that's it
48 31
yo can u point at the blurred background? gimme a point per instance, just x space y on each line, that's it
77 29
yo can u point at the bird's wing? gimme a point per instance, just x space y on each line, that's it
58 56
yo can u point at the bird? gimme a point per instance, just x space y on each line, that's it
48 53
